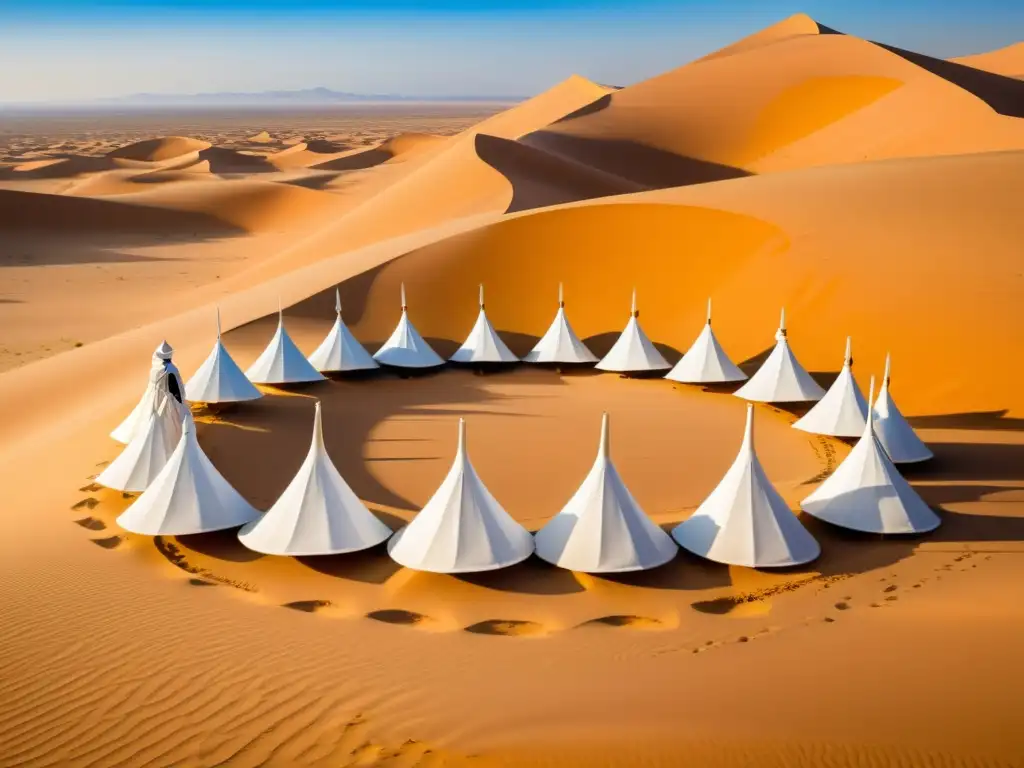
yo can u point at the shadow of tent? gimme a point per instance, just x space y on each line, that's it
220 545
601 343
986 420
686 571
970 461
370 566
533 576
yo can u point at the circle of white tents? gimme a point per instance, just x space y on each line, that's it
842 410
405 348
483 345
340 352
219 379
633 352
602 529
560 344
463 528
781 378
317 514
867 493
706 362
745 521
282 362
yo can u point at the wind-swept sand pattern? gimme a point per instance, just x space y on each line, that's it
125 650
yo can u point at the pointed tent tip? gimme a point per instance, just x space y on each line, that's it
748 429
888 360
218 322
405 306
848 355
337 301
709 310
782 321
561 296
318 426
461 450
604 449
481 295
633 310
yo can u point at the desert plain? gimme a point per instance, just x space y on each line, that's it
873 192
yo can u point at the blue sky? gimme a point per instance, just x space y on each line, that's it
59 50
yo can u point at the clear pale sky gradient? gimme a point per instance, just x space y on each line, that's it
74 50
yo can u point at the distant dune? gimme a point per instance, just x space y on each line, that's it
1007 61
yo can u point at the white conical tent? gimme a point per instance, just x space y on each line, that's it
892 430
602 529
706 362
633 352
781 379
843 409
406 348
143 458
462 529
340 352
560 344
188 496
282 362
745 521
483 345
867 493
318 514
219 379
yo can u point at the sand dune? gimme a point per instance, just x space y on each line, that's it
808 99
155 150
798 167
1008 61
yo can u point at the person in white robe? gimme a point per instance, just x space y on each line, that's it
164 377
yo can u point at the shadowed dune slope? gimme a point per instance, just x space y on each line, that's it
1008 61
157 150
755 244
807 99
447 182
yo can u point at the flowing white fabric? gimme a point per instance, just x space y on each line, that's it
560 344
340 352
781 378
892 430
405 348
633 352
483 345
842 411
282 362
219 379
705 362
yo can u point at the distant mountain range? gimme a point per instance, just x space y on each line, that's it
308 96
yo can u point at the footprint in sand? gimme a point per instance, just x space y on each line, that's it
507 628
91 524
111 542
628 621
308 606
890 588
201 583
89 503
91 488
843 606
397 616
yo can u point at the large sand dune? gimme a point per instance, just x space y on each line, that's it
871 191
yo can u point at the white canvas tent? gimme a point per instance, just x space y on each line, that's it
219 379
318 514
282 362
633 352
781 379
892 430
560 344
462 529
867 493
602 529
188 496
483 345
745 521
706 362
843 409
143 458
406 348
160 369
340 352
